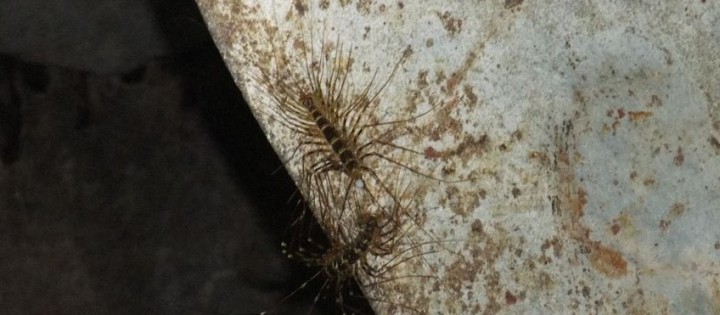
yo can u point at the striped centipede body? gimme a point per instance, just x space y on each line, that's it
344 149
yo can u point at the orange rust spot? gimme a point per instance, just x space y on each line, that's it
431 153
578 202
639 116
510 299
458 76
608 261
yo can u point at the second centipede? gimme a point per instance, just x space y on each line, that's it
345 155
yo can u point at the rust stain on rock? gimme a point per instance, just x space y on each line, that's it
510 299
608 261
578 202
676 210
574 198
431 153
459 76
452 25
639 116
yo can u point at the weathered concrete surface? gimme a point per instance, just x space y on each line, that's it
592 129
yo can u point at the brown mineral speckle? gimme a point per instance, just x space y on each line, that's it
510 4
615 228
421 80
516 192
510 299
579 202
541 157
555 244
364 6
580 98
517 135
300 7
477 226
431 154
586 291
638 116
608 261
621 113
452 25
471 96
654 101
679 158
429 42
470 143
714 142
676 210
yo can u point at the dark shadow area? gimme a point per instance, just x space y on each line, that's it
151 191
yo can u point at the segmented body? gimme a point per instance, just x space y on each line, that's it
342 144
343 260
372 249
334 138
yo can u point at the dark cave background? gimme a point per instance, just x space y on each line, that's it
134 179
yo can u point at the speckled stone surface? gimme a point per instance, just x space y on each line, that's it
591 131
